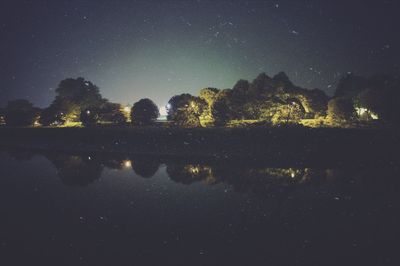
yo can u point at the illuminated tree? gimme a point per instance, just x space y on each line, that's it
185 110
291 111
144 112
341 109
20 113
263 109
209 95
72 96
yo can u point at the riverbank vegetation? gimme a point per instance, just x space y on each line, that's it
266 101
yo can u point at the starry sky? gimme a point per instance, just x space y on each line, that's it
156 49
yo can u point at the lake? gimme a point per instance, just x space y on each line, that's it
114 209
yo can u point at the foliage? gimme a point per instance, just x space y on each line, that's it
72 96
90 117
209 95
340 109
185 110
111 113
106 113
144 112
20 113
290 112
350 86
222 108
382 98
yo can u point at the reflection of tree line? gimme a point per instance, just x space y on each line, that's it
81 170
84 169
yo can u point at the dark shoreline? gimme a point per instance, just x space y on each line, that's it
298 146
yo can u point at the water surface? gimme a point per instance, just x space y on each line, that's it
97 209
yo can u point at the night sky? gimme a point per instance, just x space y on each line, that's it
156 49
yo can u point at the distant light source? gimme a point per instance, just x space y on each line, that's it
127 164
88 112
127 109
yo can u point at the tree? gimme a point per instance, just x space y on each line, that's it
291 111
381 98
20 113
111 113
209 95
340 109
317 102
144 112
350 86
76 171
222 108
90 116
185 110
106 113
72 96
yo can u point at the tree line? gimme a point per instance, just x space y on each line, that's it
265 101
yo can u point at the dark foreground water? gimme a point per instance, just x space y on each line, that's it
88 209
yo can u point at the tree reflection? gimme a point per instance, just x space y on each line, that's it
258 180
76 170
21 155
83 169
145 167
190 173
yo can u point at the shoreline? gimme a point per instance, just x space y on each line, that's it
289 145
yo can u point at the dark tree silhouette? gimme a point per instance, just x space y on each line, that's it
185 110
350 86
90 116
341 109
76 170
382 98
106 113
145 168
221 110
20 113
144 112
111 113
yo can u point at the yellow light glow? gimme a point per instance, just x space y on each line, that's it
127 164
127 109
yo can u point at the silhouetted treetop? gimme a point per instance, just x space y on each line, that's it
144 112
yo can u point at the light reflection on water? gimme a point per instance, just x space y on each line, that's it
98 208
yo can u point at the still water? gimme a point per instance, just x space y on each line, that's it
88 209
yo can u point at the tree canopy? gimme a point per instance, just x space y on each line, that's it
144 112
20 113
185 110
